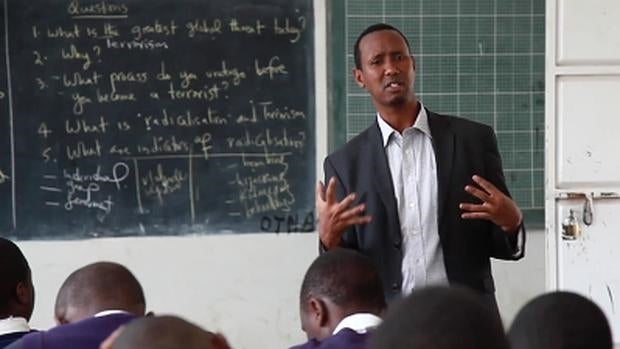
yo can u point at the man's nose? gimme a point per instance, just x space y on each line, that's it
391 68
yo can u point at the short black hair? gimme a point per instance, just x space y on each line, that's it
100 286
160 332
13 270
440 318
345 277
373 28
560 320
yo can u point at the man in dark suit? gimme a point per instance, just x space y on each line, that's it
91 304
423 195
16 293
341 301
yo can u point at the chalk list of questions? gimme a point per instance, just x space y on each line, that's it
156 117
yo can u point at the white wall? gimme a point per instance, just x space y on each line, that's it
243 285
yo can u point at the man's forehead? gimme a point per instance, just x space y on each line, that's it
383 41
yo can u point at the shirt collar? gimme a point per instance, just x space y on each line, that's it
109 312
421 123
360 322
13 324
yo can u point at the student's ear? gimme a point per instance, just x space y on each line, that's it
359 77
60 320
23 293
319 311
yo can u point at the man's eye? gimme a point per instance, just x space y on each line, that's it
399 57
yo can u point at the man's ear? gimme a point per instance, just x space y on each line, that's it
413 62
359 77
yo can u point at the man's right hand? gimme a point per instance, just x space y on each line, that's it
335 217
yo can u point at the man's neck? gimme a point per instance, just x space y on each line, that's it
402 116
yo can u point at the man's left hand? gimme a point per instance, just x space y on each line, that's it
496 206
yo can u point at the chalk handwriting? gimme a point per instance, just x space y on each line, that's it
203 27
76 126
237 75
188 119
286 28
75 8
77 79
168 29
83 149
268 138
3 178
163 145
158 183
72 53
143 45
120 172
272 68
254 28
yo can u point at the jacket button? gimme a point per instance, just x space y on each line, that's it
395 287
397 244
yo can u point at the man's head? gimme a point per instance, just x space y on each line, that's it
440 318
560 320
16 289
165 332
337 284
97 287
384 66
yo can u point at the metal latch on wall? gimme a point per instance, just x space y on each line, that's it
588 206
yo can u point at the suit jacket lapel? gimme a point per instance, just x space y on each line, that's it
382 177
443 144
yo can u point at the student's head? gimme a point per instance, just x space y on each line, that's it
440 318
384 65
16 289
560 320
165 332
97 287
337 284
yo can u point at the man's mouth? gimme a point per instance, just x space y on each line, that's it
394 85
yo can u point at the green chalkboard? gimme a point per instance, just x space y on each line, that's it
479 59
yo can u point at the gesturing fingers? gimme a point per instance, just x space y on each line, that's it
330 193
320 193
477 192
486 185
496 206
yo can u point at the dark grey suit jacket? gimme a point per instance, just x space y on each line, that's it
462 148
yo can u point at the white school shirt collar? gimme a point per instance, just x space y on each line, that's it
13 324
360 322
110 312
